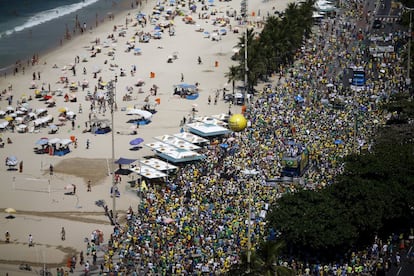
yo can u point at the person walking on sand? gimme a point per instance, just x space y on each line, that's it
87 144
87 266
7 235
51 169
31 240
89 189
63 234
182 77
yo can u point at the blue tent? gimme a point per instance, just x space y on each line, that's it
125 161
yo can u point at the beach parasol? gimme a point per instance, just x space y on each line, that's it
10 210
63 109
4 124
42 141
136 141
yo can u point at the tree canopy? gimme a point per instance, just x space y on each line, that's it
375 194
275 46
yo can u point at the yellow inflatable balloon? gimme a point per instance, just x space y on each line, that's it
237 122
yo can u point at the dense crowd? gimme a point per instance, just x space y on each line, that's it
197 222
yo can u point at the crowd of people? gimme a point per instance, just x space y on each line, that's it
197 222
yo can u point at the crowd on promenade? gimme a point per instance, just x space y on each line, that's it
197 222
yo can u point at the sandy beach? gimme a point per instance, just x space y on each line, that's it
42 208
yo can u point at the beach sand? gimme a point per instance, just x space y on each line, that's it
42 208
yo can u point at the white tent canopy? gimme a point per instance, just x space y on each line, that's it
174 154
148 172
158 164
206 130
177 142
192 138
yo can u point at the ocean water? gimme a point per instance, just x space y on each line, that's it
29 27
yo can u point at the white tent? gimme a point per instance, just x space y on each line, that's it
158 164
192 138
177 142
148 172
206 130
174 154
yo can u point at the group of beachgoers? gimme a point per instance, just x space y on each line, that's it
197 221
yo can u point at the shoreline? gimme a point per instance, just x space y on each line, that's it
74 32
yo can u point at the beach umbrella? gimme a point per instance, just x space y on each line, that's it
10 210
19 119
136 141
2 112
54 141
145 114
137 50
8 118
223 31
52 126
4 124
42 141
22 126
63 109
10 108
69 187
96 69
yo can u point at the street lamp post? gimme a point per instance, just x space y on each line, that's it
246 68
111 101
408 79
249 173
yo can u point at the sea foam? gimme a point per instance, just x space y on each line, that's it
51 14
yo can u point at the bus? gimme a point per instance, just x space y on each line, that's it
358 78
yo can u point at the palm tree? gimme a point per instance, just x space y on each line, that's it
263 262
269 253
232 75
